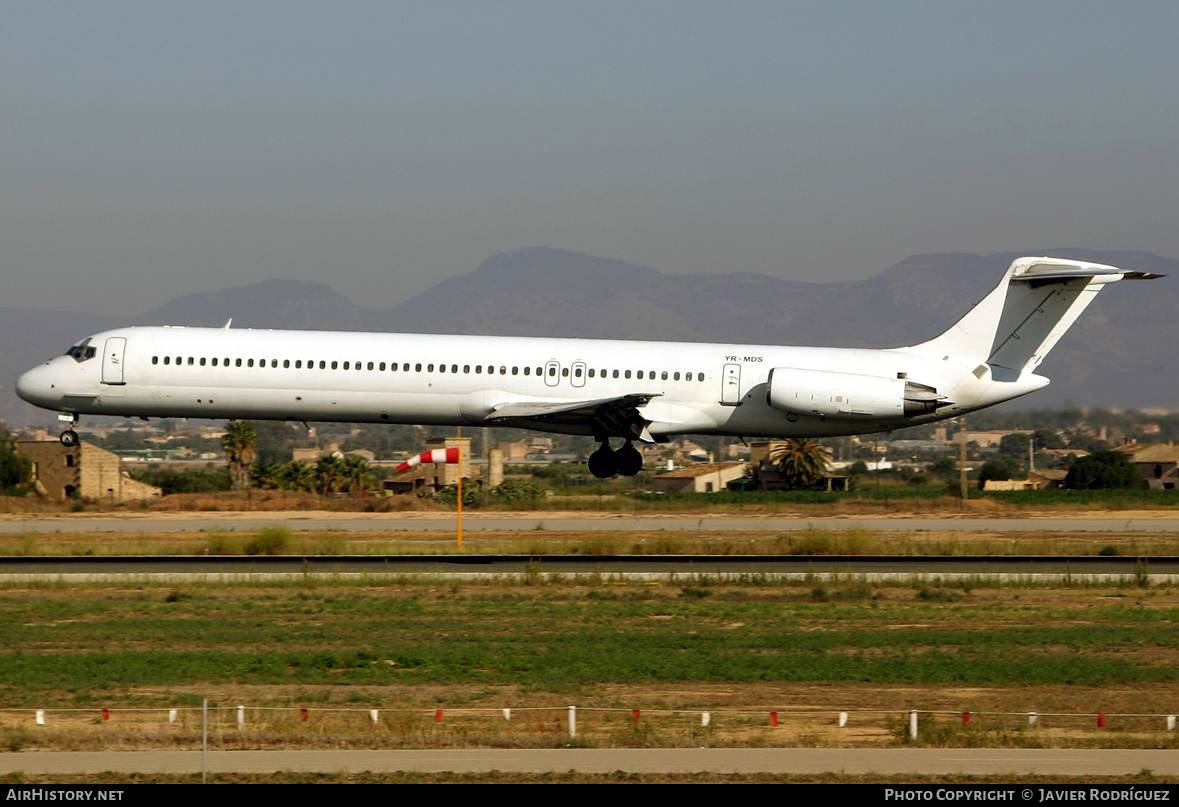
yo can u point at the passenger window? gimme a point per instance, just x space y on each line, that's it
552 371
663 375
345 365
250 363
454 368
322 365
190 361
466 368
616 374
676 377
515 371
639 375
442 368
577 372
478 369
417 368
527 371
334 365
370 365
155 359
627 373
202 361
381 367
167 360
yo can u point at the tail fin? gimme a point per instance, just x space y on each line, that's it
1015 326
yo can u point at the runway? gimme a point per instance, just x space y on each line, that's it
638 566
884 761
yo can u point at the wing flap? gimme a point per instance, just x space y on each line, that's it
613 417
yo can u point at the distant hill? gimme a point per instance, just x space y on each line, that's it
1119 354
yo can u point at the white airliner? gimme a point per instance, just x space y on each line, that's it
605 388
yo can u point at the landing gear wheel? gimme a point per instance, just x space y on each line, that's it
629 460
69 438
603 463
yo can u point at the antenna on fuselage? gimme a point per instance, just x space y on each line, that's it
228 322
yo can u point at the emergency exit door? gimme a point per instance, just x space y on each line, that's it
731 385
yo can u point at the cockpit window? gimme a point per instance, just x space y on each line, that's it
82 351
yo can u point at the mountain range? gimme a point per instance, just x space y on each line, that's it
1118 354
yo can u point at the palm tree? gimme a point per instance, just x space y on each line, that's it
801 462
357 474
241 449
298 476
330 471
267 474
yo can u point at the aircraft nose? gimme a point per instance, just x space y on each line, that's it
38 388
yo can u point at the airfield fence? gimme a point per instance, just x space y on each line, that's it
522 726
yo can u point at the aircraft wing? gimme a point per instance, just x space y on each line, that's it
615 417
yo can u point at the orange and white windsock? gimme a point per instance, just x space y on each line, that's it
449 456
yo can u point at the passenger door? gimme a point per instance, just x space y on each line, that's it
112 360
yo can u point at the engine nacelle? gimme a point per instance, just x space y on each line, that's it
847 396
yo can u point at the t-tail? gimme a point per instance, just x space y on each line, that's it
1008 334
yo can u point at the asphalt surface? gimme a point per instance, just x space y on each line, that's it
636 565
933 761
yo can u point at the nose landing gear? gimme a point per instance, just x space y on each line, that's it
69 438
606 462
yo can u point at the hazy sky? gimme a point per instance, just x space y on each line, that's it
153 149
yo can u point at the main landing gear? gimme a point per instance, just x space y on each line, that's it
606 462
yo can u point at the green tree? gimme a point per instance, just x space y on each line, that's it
329 472
997 469
14 469
516 491
943 467
267 474
240 444
298 476
1047 438
1014 445
801 462
1103 470
275 440
357 473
